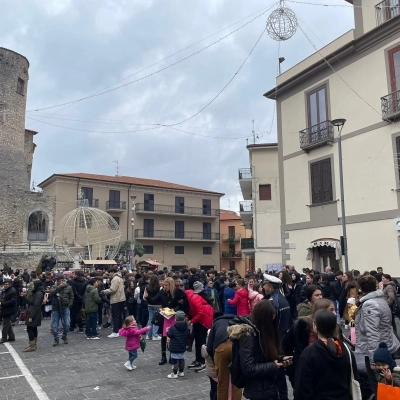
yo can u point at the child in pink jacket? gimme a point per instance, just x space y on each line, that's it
241 299
132 334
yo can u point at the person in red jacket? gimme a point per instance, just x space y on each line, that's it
201 313
241 299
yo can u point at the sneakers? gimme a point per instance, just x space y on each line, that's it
202 367
80 331
346 326
113 335
106 325
99 326
128 366
194 365
181 373
95 338
156 337
65 340
172 376
133 366
89 338
148 337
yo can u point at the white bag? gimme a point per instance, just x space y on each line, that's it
355 386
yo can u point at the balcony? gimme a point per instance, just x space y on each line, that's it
247 246
390 106
316 136
228 254
246 213
176 236
117 206
173 210
93 203
231 239
245 182
386 10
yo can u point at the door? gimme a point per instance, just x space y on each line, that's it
317 114
231 232
179 229
179 205
206 207
394 68
148 227
88 195
114 199
148 202
206 230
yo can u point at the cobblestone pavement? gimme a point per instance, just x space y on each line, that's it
93 369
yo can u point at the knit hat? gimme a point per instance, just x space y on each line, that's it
351 300
197 287
382 354
180 316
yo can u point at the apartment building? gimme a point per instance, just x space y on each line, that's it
232 232
259 210
177 225
364 90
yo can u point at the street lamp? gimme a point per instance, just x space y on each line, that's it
133 230
339 123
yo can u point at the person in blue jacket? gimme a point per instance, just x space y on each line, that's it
229 293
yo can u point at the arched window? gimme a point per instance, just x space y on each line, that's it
38 226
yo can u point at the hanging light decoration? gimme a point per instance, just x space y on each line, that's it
282 23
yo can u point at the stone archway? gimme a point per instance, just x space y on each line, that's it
38 225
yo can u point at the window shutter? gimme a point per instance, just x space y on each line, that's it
316 183
264 192
398 153
326 180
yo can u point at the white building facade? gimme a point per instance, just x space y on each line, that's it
364 90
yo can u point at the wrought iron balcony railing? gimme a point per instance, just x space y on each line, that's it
316 136
390 105
231 254
175 235
247 244
245 173
93 203
246 206
386 10
234 238
167 209
116 205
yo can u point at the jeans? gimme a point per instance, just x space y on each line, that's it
281 384
64 316
222 359
7 329
91 324
100 314
76 318
154 331
200 338
132 356
177 364
117 312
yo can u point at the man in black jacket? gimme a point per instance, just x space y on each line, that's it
219 348
8 306
78 285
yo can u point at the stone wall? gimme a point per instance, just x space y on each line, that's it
20 260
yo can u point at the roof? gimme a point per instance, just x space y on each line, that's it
30 131
12 51
228 215
256 145
130 180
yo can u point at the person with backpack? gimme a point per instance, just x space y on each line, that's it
256 358
213 295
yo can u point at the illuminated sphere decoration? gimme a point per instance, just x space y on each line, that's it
282 24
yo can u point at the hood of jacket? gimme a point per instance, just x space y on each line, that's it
304 304
371 295
181 326
90 288
79 279
239 327
390 283
328 354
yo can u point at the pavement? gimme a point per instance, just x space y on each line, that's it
91 369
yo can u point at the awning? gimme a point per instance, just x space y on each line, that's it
150 262
335 244
99 262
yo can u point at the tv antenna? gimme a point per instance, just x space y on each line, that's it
254 134
117 165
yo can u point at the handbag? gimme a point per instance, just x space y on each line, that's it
355 386
157 319
388 392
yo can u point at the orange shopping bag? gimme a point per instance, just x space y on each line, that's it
387 392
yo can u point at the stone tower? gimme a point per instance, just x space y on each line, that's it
13 90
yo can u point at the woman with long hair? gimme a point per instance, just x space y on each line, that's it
152 290
349 289
324 369
259 351
130 299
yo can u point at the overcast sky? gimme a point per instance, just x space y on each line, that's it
80 47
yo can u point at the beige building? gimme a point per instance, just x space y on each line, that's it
232 232
364 90
177 225
260 209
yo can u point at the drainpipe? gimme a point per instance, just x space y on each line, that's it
127 218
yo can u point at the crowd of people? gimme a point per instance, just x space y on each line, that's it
248 332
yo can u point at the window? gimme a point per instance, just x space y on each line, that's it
264 191
148 202
116 219
180 205
21 86
232 265
88 195
206 230
179 250
2 112
206 207
114 199
317 106
148 227
207 250
148 249
394 68
231 232
321 181
112 221
179 229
